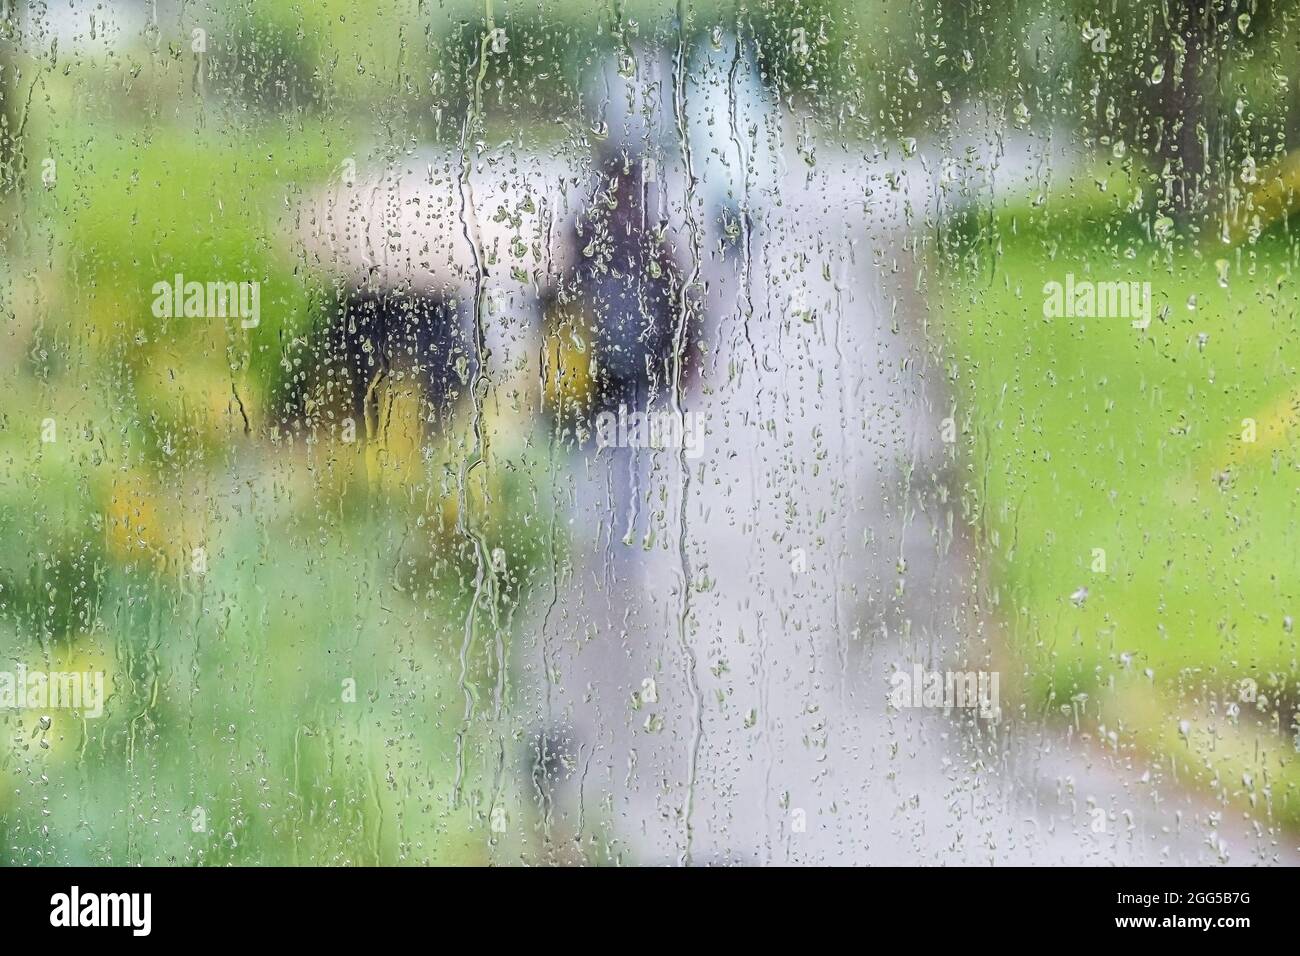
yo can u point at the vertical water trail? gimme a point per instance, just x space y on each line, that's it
746 302
478 385
679 347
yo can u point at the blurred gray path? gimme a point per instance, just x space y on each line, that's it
821 556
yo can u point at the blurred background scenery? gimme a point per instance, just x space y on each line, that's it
769 431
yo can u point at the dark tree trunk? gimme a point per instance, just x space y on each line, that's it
1183 111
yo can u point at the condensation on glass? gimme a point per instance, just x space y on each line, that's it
645 433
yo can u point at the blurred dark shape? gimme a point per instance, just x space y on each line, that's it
371 338
1183 119
628 286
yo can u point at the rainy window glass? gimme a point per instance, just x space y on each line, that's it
639 433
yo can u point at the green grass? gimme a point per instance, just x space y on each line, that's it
1081 434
